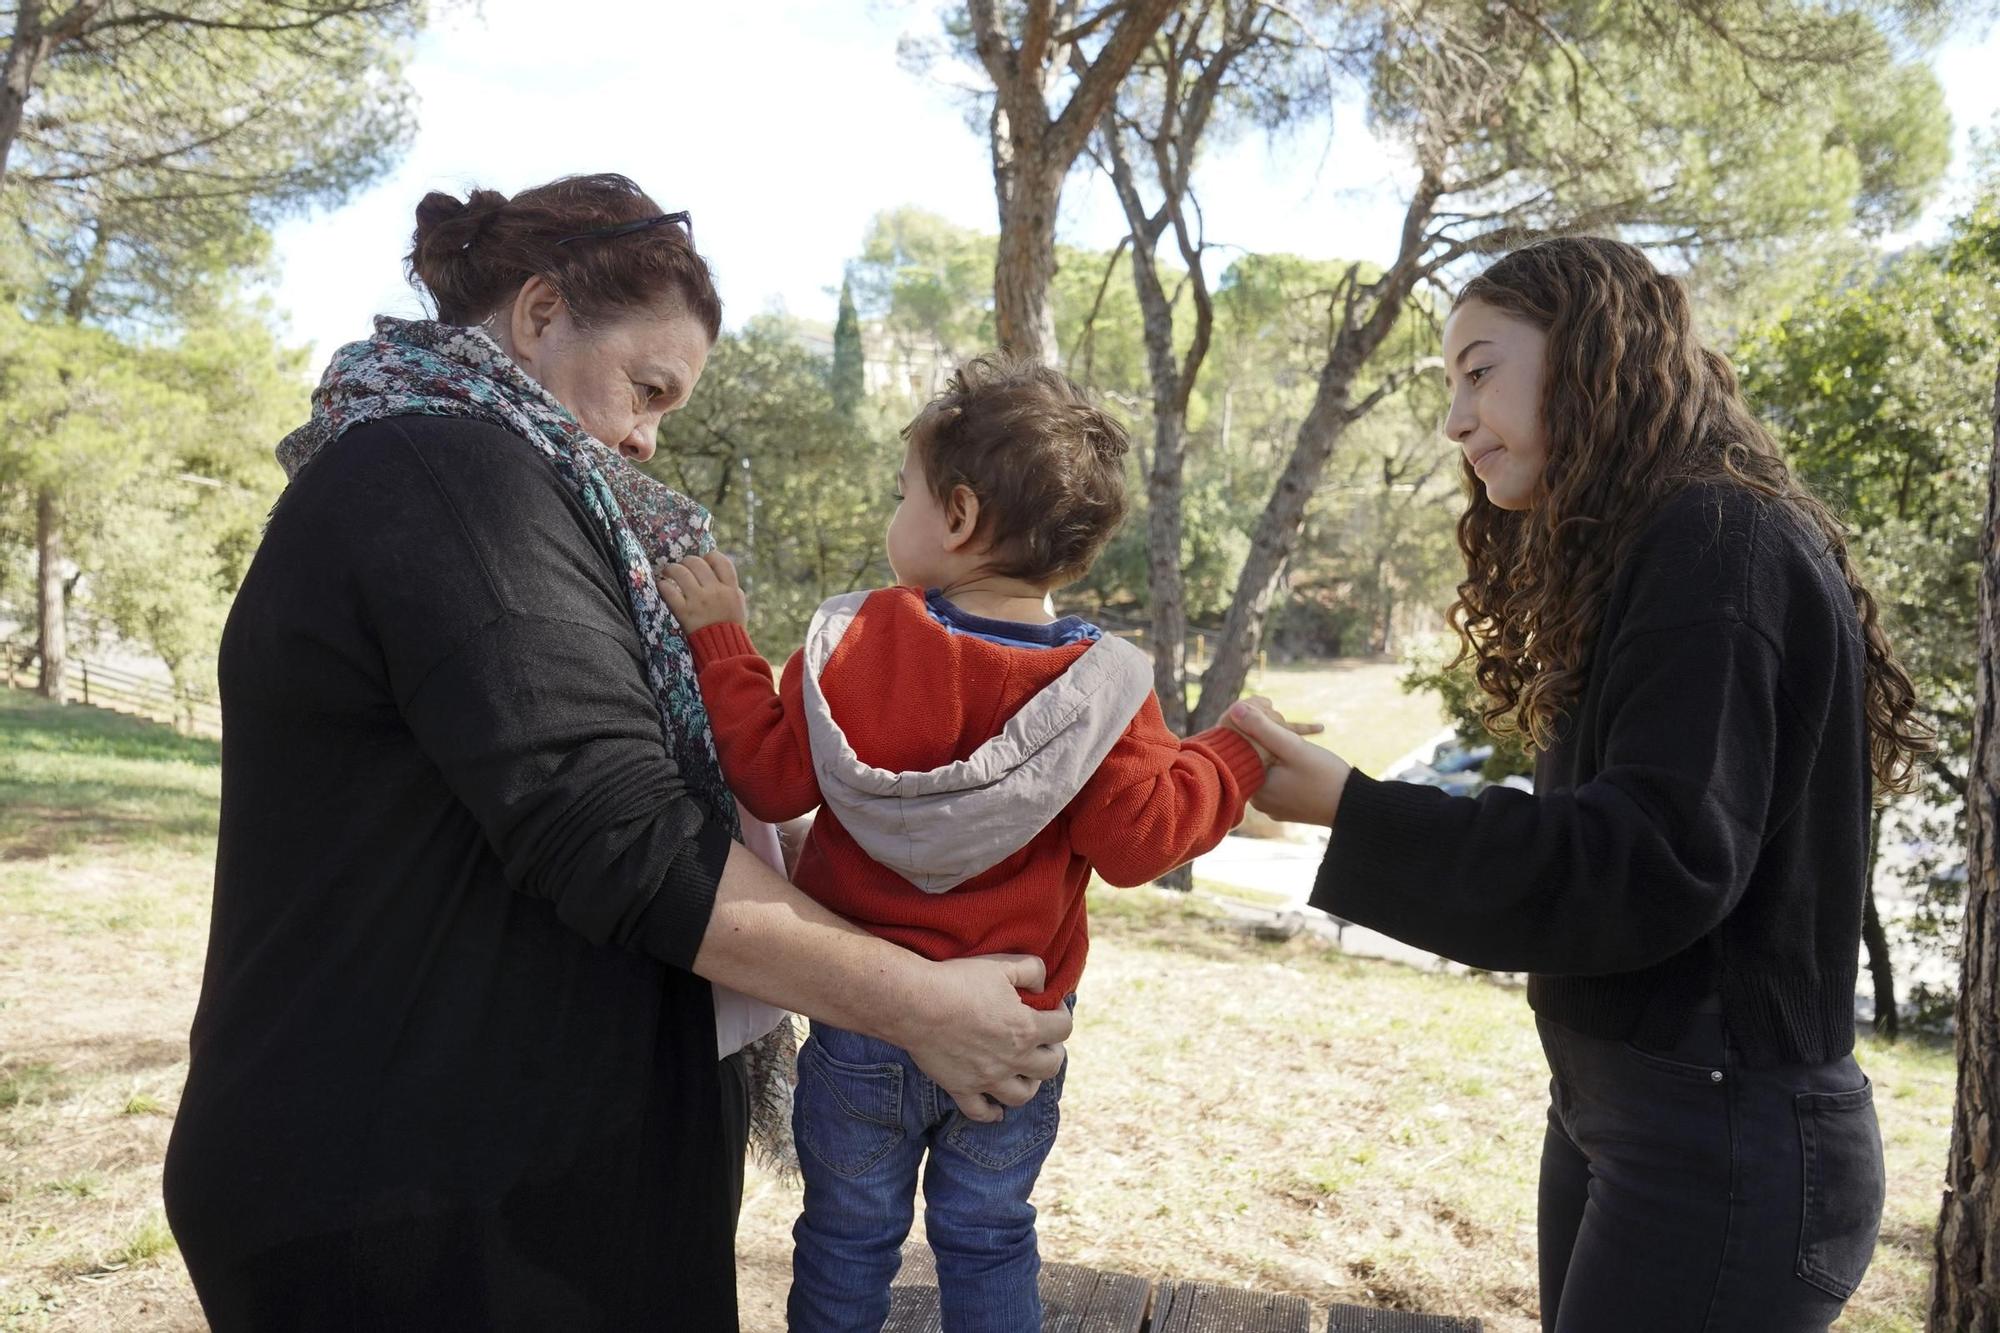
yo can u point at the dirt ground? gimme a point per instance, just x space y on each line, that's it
1266 1115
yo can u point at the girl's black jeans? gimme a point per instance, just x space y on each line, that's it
1684 1192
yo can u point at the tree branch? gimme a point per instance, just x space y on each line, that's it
1099 85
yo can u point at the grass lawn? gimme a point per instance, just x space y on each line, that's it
1368 717
1270 1115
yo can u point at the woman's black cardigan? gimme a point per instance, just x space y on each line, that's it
449 1067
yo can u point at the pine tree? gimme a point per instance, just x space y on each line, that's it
848 385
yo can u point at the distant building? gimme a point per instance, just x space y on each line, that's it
893 364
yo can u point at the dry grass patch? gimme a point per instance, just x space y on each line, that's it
1284 1117
1268 1115
1369 717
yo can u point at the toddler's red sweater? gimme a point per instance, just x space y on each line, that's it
912 695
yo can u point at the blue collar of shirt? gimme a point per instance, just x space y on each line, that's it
1010 633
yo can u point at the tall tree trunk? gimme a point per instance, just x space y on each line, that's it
52 629
1025 267
25 53
1164 587
1192 74
1273 540
1965 1287
1165 595
1033 150
1365 326
28 49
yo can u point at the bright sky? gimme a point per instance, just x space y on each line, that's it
785 125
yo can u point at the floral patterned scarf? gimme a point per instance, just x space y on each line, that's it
425 368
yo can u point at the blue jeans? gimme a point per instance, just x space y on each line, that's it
865 1116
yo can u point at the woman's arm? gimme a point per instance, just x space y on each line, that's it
962 1021
1616 874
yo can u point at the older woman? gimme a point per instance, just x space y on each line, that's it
455 1058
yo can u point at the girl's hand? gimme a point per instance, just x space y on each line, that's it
703 591
1304 782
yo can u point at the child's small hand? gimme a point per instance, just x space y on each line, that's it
703 591
1264 706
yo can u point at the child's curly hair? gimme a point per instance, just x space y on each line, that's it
1046 463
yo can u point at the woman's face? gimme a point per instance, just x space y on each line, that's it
1494 368
619 376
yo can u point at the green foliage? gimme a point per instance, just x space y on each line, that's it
801 490
1431 669
159 457
1213 545
1379 549
1376 559
156 152
158 146
1672 119
929 283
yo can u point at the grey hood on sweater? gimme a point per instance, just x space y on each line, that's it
939 828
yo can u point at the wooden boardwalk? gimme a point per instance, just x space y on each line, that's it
1082 1300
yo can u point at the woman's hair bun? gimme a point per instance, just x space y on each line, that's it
449 222
441 252
437 209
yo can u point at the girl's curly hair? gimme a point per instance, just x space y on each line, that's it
1635 410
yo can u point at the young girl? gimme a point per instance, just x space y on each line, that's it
973 758
1674 622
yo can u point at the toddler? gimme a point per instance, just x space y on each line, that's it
974 758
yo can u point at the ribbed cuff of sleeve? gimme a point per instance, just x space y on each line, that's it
723 639
1381 833
1238 755
681 907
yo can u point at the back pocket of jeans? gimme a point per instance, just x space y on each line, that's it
1841 1148
848 1115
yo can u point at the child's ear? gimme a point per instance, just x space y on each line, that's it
961 517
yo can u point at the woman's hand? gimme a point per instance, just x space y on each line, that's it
1304 782
975 1039
703 591
962 1021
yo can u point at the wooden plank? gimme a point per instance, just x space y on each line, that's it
912 1309
913 1300
919 1265
1360 1319
1075 1299
1196 1307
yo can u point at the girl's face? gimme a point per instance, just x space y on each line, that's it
1494 367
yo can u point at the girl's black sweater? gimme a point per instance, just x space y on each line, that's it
1701 825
